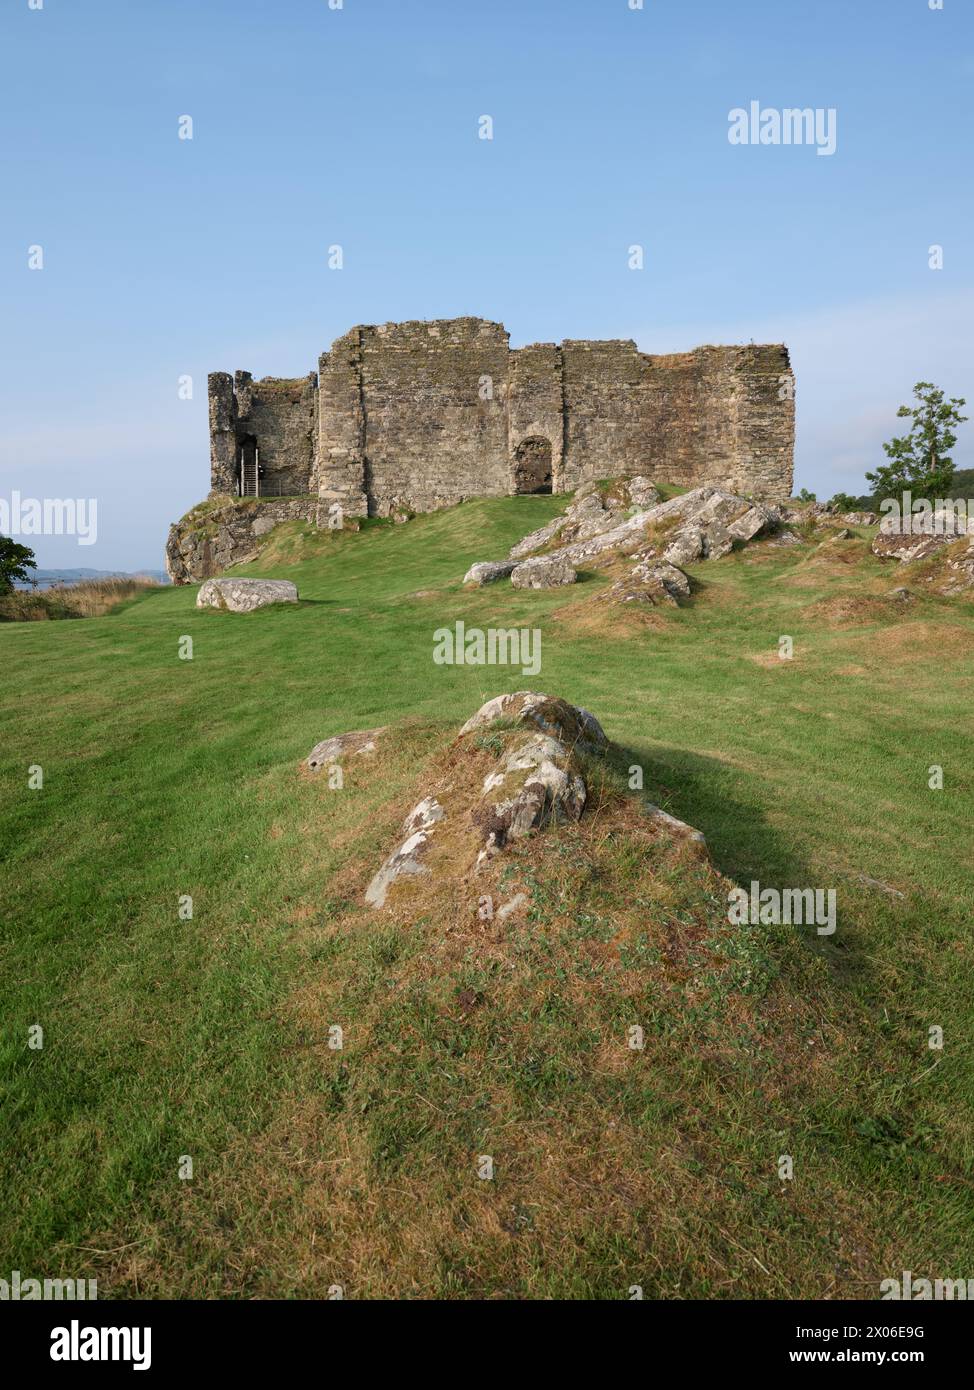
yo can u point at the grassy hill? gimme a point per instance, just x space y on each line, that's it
208 1037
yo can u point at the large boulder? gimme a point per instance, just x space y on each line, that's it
543 572
244 595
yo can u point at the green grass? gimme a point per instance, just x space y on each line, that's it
163 1037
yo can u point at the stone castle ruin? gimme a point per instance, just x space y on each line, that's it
408 417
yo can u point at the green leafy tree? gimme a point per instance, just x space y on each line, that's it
842 502
15 561
806 496
920 462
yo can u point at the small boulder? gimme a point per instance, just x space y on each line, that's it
651 581
543 572
358 743
489 571
244 595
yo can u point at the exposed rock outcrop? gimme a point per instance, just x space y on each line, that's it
626 520
535 779
244 595
650 581
522 763
214 536
406 861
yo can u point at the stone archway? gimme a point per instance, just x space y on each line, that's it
532 465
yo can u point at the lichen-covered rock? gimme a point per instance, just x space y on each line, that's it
406 860
687 547
651 581
534 786
536 780
357 743
592 512
543 572
245 595
703 523
536 539
569 723
518 767
488 572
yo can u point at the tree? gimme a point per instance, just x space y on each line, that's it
842 502
920 461
15 561
806 496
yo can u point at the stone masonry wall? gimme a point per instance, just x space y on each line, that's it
435 419
413 416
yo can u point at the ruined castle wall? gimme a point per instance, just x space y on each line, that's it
536 404
711 415
341 426
765 400
223 447
604 407
434 413
281 413
419 415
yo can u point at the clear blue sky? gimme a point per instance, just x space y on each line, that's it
358 126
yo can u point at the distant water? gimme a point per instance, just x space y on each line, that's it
47 579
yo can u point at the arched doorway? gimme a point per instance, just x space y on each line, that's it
532 465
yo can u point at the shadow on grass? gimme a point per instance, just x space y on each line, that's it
743 844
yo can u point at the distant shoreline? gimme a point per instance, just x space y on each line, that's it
50 579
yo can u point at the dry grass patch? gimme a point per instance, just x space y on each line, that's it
917 640
90 599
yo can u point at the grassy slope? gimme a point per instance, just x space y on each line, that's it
165 1037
